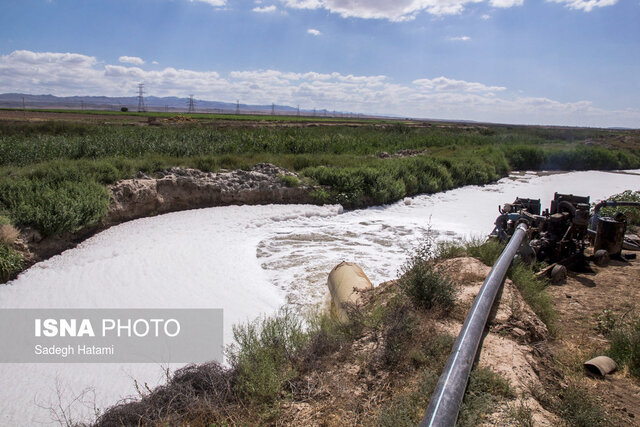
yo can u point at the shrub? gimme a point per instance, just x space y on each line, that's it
424 285
54 207
289 180
632 213
10 262
265 353
124 109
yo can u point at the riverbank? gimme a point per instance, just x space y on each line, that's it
381 367
172 190
56 177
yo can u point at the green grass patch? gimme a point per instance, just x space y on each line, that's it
533 290
623 333
10 262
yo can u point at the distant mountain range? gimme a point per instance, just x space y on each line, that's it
152 103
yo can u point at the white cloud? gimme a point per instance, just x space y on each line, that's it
155 63
265 9
485 17
459 38
506 3
586 5
313 32
442 84
398 10
66 74
215 3
131 60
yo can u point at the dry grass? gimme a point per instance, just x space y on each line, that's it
8 234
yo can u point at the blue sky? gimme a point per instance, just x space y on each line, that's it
574 62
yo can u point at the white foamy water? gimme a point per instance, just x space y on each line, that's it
247 260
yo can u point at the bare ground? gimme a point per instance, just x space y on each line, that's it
585 295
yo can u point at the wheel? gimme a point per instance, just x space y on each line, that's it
601 258
558 275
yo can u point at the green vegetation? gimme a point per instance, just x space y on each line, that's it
265 355
578 408
424 285
632 213
623 332
52 173
10 262
531 287
484 390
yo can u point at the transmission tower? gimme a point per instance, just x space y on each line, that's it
238 106
141 107
273 108
192 106
298 109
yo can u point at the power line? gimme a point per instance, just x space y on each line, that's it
141 107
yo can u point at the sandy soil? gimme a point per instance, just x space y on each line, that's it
585 295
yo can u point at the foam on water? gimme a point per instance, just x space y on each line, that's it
247 260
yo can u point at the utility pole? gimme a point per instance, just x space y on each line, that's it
238 106
273 108
192 107
141 107
298 110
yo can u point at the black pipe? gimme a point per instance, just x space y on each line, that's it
446 399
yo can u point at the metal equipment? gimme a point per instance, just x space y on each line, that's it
561 233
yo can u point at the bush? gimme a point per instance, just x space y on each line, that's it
54 207
10 262
632 213
424 285
265 353
124 109
289 180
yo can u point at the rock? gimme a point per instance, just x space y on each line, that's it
183 188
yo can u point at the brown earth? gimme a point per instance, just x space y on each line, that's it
351 388
584 296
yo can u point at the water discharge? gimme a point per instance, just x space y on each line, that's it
247 260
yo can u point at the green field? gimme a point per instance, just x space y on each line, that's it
53 174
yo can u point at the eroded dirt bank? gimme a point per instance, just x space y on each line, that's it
173 190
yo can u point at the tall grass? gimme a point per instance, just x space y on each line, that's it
52 174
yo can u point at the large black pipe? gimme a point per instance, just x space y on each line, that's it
446 399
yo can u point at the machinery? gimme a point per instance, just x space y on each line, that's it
560 234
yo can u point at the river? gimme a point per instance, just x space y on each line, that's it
248 260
